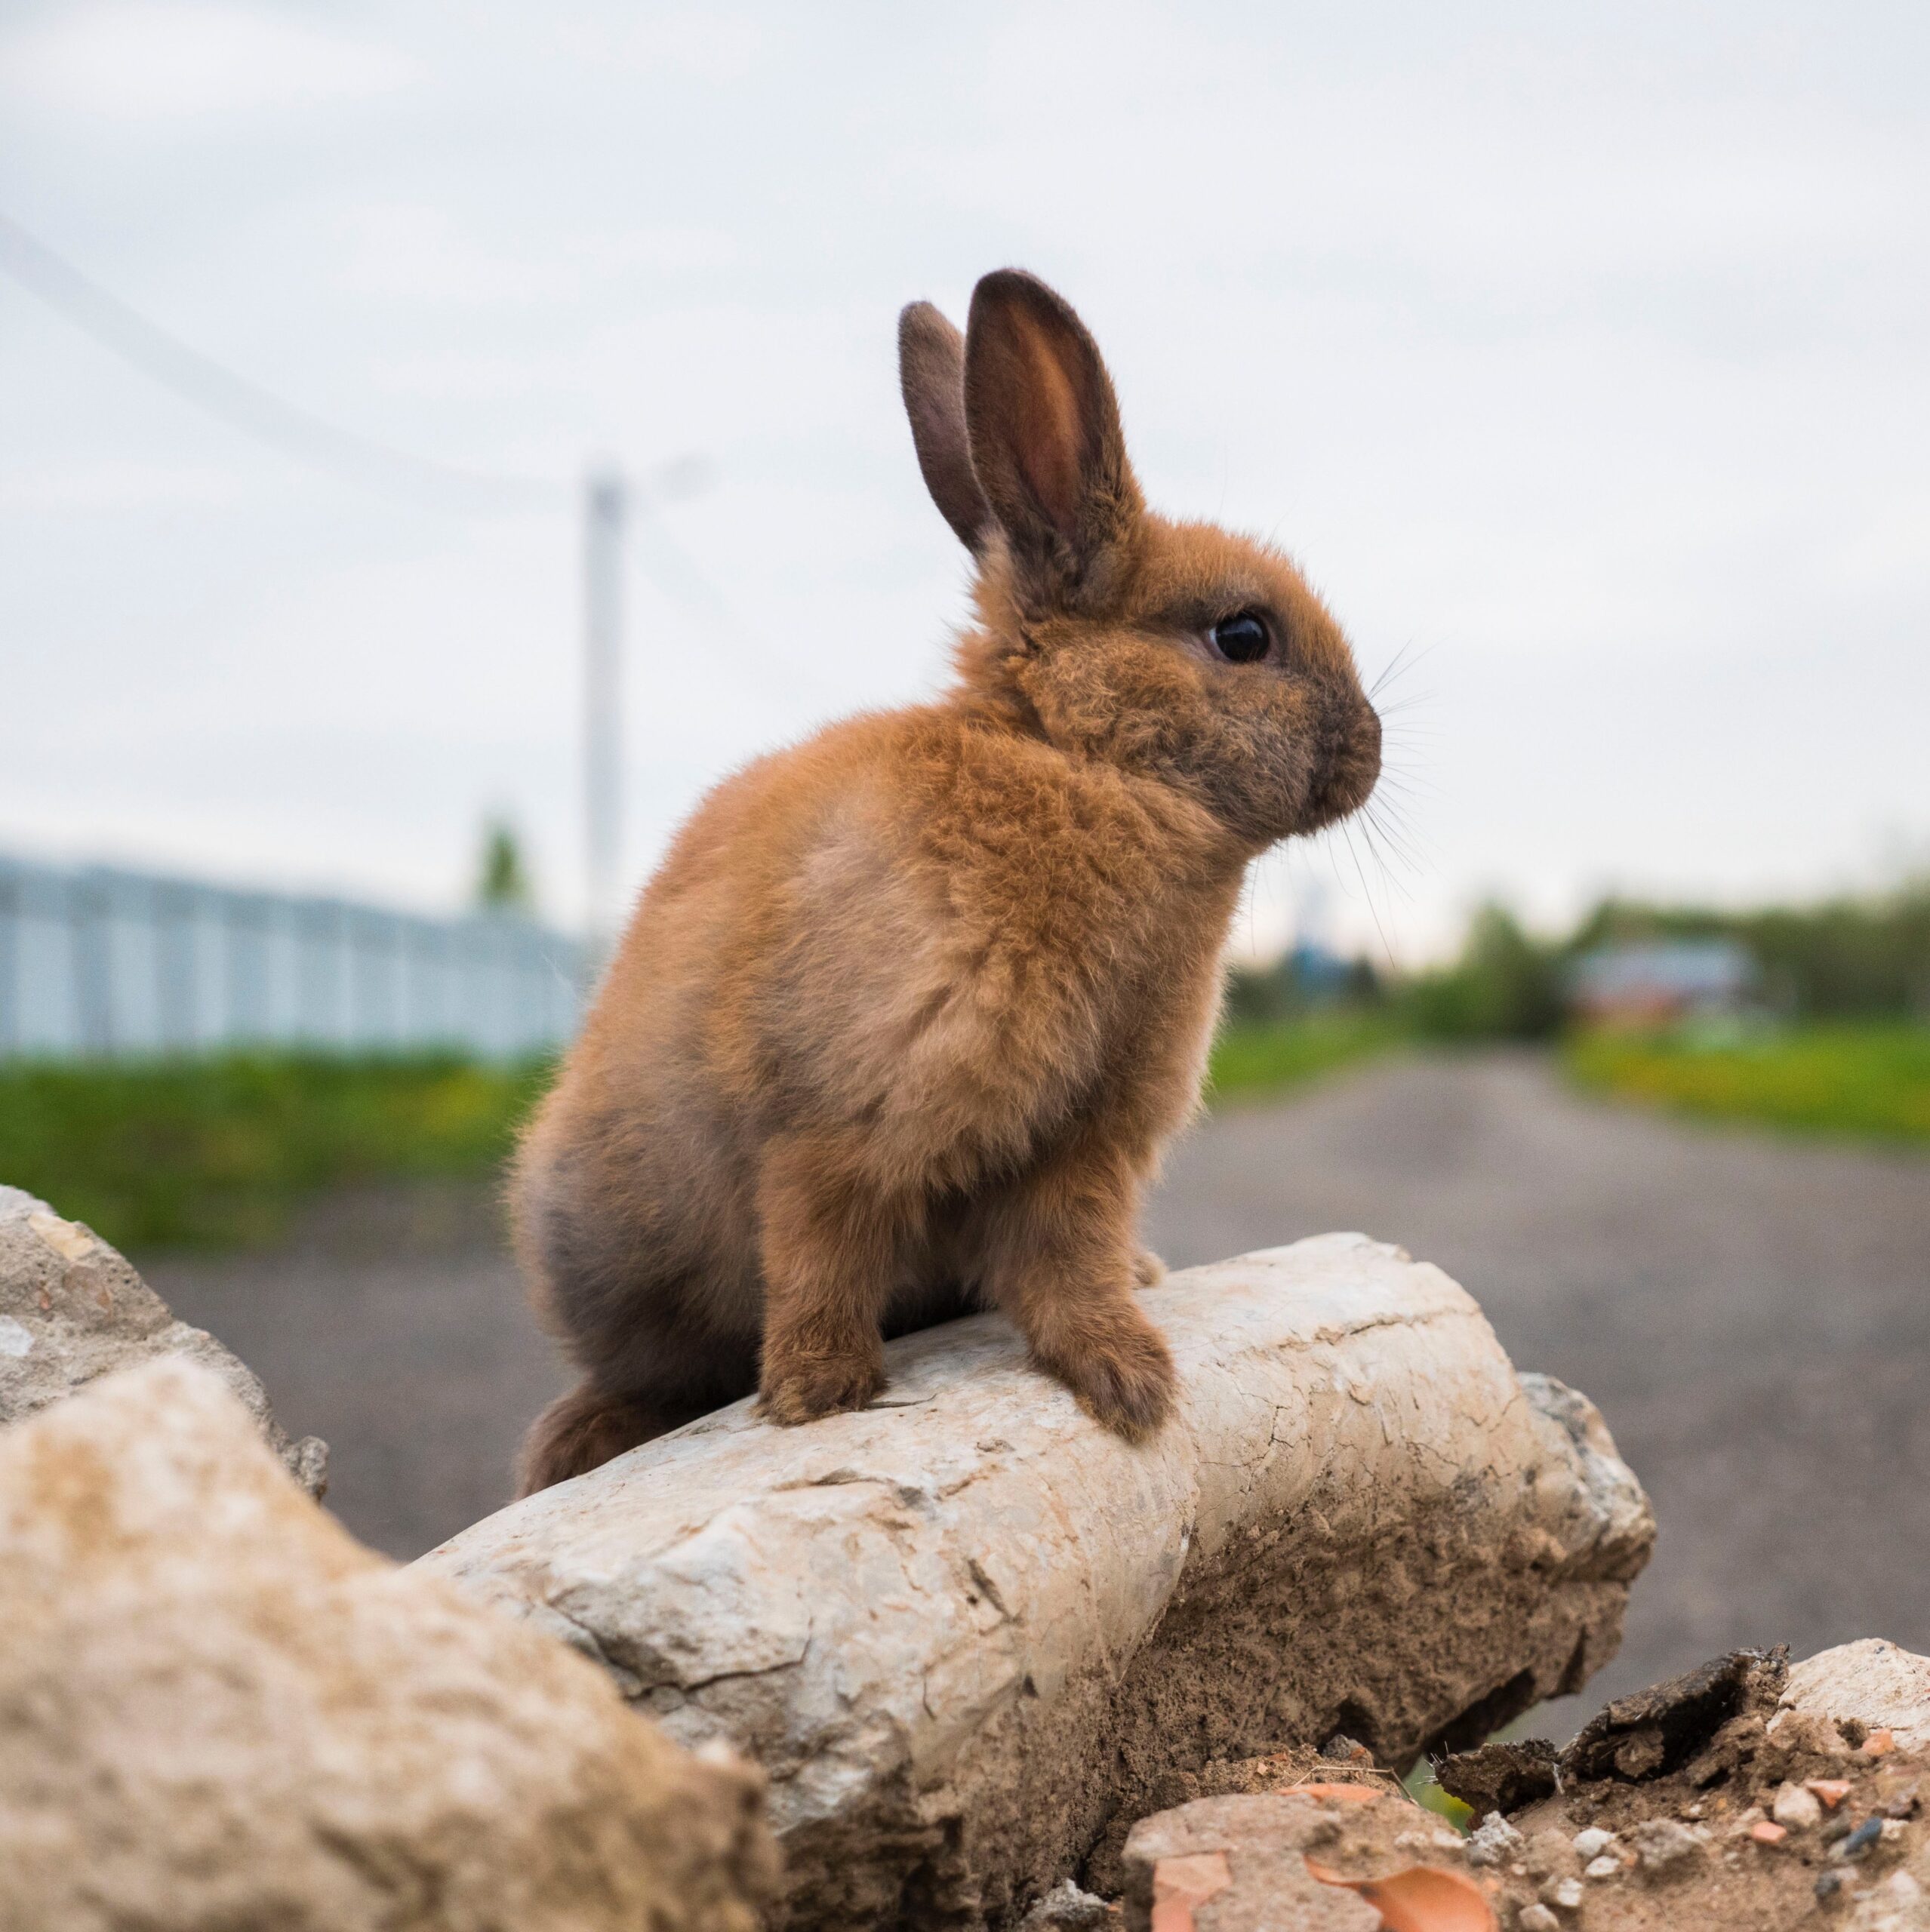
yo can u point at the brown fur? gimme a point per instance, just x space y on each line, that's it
902 1022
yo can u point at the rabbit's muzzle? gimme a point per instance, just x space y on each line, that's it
1351 766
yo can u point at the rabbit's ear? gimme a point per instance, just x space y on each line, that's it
931 374
1044 424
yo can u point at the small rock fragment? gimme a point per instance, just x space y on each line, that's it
1591 1843
1795 1807
1879 1744
1537 1918
1831 1791
1859 1840
1764 1832
1660 1843
1830 1884
1565 1893
1493 1841
1606 1866
1669 1722
1500 1776
1641 1753
1342 1749
1066 1907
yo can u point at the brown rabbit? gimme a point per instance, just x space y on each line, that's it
902 1022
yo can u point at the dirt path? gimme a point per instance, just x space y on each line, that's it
1751 1314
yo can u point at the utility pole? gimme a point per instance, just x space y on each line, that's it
604 510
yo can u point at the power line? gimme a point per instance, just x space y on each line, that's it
245 405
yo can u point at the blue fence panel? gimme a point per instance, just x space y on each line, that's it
100 961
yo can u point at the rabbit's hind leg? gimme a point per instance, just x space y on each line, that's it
584 1429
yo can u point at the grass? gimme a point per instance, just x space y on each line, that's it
1871 1080
1254 1057
218 1152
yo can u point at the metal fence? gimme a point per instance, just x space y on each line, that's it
96 961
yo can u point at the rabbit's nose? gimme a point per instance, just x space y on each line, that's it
1353 765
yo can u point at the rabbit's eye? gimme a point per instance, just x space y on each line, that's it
1242 639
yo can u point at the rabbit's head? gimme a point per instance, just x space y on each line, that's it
1178 651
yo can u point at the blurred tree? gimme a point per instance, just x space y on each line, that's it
1506 985
503 880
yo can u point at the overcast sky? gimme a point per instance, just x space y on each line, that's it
1579 353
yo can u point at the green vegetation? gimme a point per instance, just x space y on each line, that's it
220 1151
1265 1056
1836 1079
503 881
1866 958
215 1152
1505 985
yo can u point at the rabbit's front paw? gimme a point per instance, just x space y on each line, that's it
1123 1378
802 1388
1148 1270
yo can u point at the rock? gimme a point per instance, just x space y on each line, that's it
1657 1730
1537 1918
217 1710
1067 1908
1499 1776
965 1629
72 1309
1870 1683
1226 1777
1266 1840
1592 1842
1663 1843
1795 1808
1494 1841
1296 1860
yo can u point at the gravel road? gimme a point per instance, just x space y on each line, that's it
1753 1315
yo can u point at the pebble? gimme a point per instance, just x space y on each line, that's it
1764 1832
1879 1744
1795 1807
1565 1893
1831 1791
1859 1840
1439 1840
1493 1841
1606 1866
1537 1918
1661 1842
1830 1884
1592 1842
